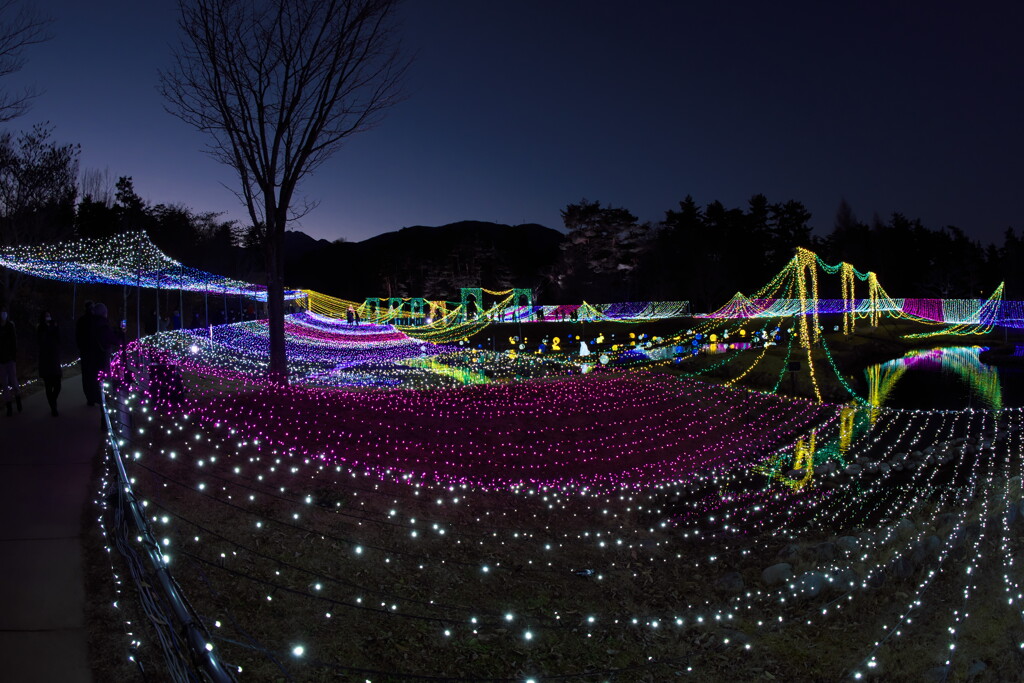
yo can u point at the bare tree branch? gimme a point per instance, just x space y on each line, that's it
21 26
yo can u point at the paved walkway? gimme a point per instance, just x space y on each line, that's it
45 466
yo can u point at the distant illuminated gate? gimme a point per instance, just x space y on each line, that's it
471 300
521 299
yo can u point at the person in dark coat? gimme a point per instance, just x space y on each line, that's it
83 337
103 340
48 339
8 365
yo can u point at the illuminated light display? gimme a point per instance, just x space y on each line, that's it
970 321
478 529
930 310
647 453
634 312
739 306
320 350
462 375
962 316
461 496
926 309
129 259
445 322
848 284
1011 314
326 352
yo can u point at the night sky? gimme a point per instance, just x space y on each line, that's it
516 108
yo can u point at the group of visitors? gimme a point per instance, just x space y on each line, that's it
48 341
96 339
168 321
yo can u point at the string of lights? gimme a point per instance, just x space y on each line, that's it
961 316
129 259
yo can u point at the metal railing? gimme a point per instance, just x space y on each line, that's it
186 644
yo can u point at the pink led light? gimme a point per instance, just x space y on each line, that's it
606 432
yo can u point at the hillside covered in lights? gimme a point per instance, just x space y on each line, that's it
615 506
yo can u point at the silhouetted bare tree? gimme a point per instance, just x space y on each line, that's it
21 25
278 85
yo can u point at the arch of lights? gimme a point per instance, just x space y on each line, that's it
129 259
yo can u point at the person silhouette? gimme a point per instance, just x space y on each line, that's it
101 344
83 326
48 341
8 358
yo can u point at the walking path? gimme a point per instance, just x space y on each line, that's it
45 467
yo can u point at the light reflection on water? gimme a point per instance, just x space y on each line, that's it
716 349
944 378
680 352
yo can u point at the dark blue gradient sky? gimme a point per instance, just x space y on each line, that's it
516 108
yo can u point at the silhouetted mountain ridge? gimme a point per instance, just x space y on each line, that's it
297 244
419 260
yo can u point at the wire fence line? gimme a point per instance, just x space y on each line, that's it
184 641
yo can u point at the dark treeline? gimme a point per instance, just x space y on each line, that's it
706 254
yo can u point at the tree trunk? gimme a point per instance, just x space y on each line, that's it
275 306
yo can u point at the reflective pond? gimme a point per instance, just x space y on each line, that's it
947 378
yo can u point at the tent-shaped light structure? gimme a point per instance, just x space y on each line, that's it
128 258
